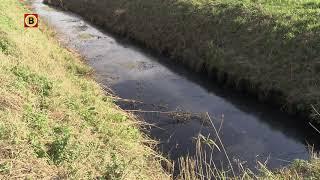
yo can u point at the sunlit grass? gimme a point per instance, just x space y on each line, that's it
55 121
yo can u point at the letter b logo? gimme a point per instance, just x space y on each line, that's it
31 20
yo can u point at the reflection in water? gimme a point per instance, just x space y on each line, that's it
250 131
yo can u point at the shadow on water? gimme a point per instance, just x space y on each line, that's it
293 127
166 126
170 131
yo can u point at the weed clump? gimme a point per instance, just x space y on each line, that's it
115 169
57 149
6 46
40 84
37 120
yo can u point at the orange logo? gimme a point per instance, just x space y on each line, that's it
31 20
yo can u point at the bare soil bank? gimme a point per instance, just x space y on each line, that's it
272 55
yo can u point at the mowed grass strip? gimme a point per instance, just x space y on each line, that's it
266 47
55 121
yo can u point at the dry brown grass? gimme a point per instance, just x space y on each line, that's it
202 166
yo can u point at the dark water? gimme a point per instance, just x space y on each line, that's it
251 131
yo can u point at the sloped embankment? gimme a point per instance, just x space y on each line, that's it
55 121
268 48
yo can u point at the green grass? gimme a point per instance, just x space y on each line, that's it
266 47
55 121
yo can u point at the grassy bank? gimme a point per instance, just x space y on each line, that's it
55 121
269 48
